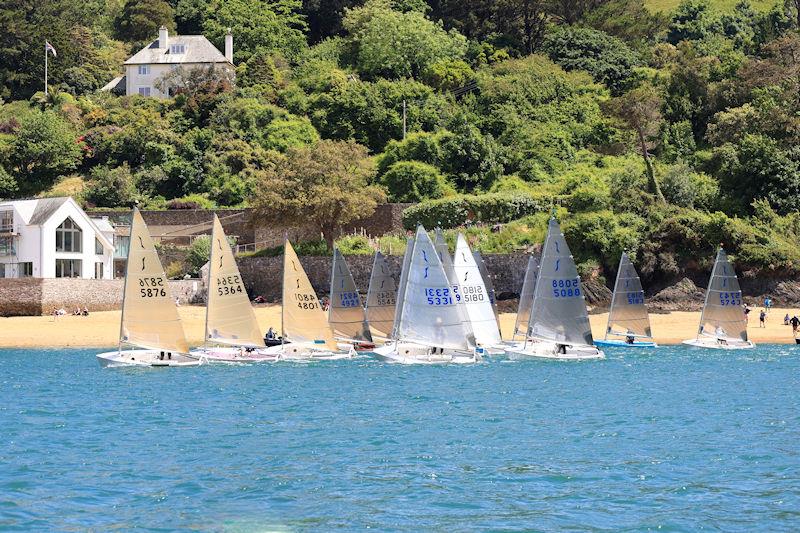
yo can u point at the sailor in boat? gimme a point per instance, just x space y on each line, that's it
629 339
561 348
270 336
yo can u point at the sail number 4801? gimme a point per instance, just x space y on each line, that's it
152 287
566 288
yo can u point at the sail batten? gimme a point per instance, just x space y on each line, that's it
304 321
150 318
628 314
526 299
346 313
381 297
723 316
559 311
474 296
230 318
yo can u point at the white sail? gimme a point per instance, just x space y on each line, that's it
526 299
149 315
401 288
475 297
304 321
346 313
487 282
723 316
455 284
628 314
431 314
559 308
230 318
381 297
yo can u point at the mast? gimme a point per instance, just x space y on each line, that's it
127 269
403 287
208 284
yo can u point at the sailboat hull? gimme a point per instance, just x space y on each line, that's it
720 344
622 344
234 355
548 350
416 354
151 358
300 352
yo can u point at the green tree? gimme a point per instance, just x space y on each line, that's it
140 20
692 21
111 187
199 252
325 186
44 148
8 185
412 181
190 16
268 25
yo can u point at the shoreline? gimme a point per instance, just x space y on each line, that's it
101 329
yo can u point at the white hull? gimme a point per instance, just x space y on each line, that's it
550 350
416 354
232 354
300 352
152 358
720 344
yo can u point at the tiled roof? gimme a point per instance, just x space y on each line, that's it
45 208
198 50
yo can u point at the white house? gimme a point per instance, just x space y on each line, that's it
167 53
54 238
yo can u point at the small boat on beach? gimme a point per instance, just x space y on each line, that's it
723 324
150 320
232 331
558 327
628 316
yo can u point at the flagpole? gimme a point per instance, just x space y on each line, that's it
45 69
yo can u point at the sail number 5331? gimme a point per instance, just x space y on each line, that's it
566 288
439 296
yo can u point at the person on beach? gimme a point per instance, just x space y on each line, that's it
795 322
767 304
85 311
786 319
761 318
746 313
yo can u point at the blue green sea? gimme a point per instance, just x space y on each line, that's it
673 439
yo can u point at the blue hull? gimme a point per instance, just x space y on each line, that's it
623 344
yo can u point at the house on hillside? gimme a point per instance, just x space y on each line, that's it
54 238
166 53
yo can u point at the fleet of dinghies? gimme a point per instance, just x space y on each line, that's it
443 310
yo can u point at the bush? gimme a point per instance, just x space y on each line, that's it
684 187
199 253
412 181
111 187
466 209
191 201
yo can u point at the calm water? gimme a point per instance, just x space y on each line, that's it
679 440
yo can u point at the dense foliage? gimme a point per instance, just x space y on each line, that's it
663 134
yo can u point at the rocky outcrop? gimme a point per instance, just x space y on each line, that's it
683 296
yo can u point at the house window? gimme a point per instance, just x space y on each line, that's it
98 246
68 268
68 237
6 221
2 271
144 70
177 49
98 271
121 245
6 245
25 270
144 91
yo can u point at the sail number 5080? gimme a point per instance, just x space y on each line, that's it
566 288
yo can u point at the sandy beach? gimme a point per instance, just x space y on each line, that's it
101 329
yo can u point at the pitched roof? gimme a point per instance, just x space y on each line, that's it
45 208
198 50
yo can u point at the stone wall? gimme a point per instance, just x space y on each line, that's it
36 296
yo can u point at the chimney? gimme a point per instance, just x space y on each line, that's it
229 46
162 37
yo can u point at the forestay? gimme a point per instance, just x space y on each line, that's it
381 297
346 313
230 318
304 320
559 309
401 289
526 299
628 314
487 282
723 316
149 315
431 314
475 296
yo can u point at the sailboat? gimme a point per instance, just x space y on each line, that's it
722 322
487 282
346 313
430 323
401 288
150 320
232 331
628 316
526 300
381 298
558 327
303 321
475 298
